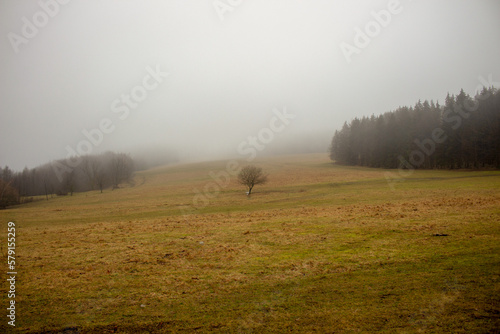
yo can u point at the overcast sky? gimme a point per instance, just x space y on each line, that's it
71 66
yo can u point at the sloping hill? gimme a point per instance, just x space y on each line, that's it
320 248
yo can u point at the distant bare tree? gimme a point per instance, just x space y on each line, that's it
47 187
8 195
90 167
69 183
250 176
101 170
7 175
101 178
121 169
24 182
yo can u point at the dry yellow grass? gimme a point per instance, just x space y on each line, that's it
318 249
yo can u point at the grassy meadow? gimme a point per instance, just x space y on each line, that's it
318 249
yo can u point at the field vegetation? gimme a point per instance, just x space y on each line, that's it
319 248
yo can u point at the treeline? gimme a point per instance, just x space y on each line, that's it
464 133
63 177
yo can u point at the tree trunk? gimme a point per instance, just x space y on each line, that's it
46 193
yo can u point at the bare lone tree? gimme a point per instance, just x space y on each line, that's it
250 176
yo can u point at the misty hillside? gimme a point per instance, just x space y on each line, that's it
199 78
463 133
230 166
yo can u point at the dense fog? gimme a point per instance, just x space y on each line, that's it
202 80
